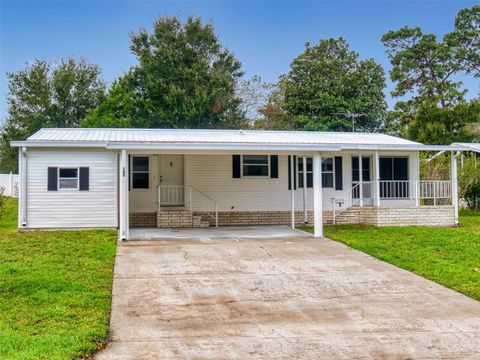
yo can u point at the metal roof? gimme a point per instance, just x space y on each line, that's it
215 139
469 146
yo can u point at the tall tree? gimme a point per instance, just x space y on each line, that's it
44 94
327 80
465 39
422 66
434 125
184 79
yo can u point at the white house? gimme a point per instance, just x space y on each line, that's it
123 178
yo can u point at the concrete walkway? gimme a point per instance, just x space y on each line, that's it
286 298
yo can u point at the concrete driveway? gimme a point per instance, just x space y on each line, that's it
283 298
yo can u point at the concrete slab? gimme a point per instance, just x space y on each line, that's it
212 233
282 298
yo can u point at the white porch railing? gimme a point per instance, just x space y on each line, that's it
171 195
418 190
196 200
432 192
346 199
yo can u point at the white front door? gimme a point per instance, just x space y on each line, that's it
171 180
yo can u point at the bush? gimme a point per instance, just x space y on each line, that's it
472 197
2 199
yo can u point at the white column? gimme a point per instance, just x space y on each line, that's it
123 203
292 190
317 196
305 212
377 179
417 180
360 177
10 184
453 178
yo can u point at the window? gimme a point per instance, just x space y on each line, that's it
68 178
309 172
393 168
365 168
327 172
255 165
140 178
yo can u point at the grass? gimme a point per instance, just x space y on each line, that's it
448 256
55 290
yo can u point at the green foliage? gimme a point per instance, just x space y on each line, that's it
48 95
472 196
55 290
422 66
465 39
434 125
328 79
184 79
2 199
448 256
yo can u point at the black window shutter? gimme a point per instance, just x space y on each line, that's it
294 172
236 166
338 173
290 173
52 179
274 166
84 178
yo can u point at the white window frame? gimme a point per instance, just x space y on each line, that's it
256 176
76 178
300 172
139 172
329 172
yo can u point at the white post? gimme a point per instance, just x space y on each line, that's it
305 213
317 196
10 184
292 191
123 195
377 179
454 185
417 192
360 177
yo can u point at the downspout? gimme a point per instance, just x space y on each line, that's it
23 154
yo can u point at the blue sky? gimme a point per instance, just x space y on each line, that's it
264 35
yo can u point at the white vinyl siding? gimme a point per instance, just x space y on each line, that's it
94 208
145 200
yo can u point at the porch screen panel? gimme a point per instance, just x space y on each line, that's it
394 178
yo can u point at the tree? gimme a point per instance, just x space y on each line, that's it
422 66
184 79
465 39
254 95
328 79
274 116
434 125
48 95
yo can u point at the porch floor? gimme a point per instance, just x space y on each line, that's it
212 233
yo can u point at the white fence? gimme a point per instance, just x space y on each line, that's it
10 183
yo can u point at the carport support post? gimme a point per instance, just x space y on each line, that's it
453 179
123 201
292 190
305 214
377 179
317 196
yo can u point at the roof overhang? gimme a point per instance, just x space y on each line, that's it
234 146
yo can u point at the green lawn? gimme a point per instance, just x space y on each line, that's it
448 256
55 290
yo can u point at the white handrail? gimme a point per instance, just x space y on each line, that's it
338 199
201 202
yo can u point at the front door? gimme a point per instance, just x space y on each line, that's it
171 180
366 179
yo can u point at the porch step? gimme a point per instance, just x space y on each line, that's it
180 219
353 215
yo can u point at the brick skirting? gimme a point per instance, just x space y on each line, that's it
441 215
143 219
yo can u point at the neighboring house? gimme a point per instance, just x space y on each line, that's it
90 178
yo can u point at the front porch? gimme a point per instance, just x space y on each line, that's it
209 190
